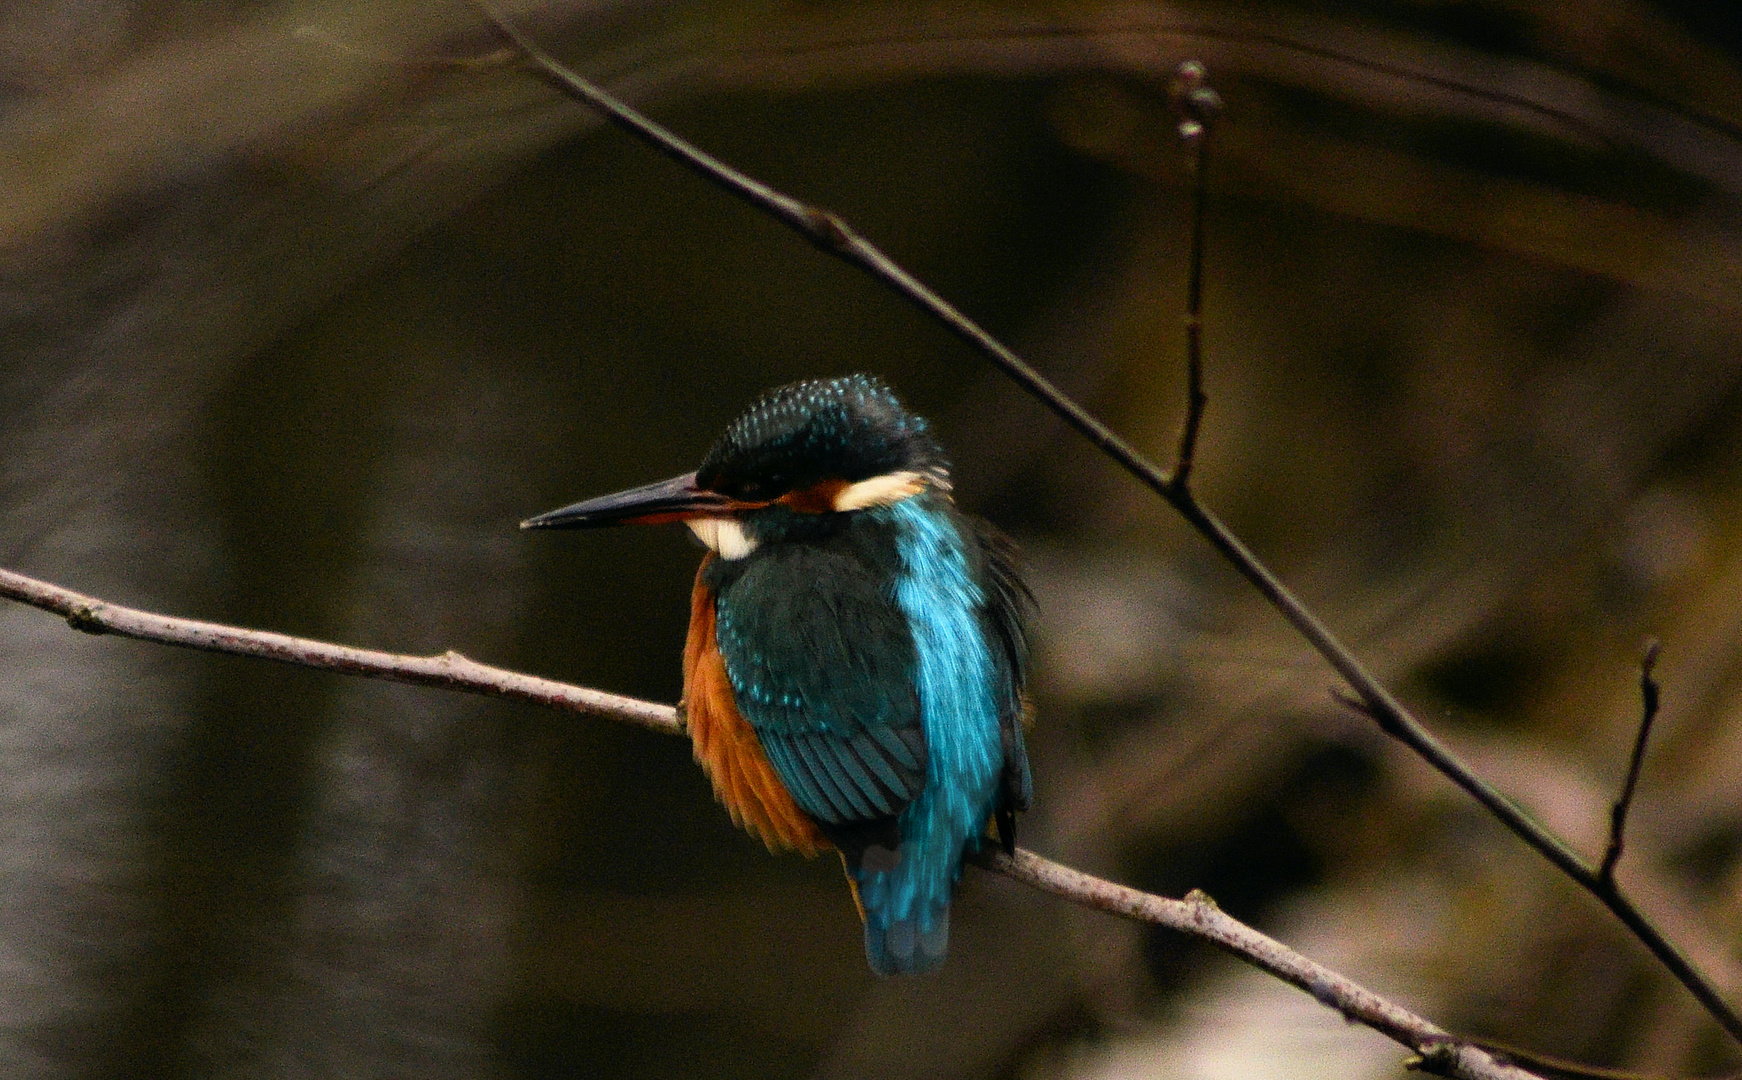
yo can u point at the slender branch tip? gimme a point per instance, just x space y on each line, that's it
1649 697
1199 106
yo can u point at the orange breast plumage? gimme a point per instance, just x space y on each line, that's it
726 746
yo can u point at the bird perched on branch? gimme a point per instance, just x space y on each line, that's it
856 655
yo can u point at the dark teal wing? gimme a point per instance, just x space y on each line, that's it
821 662
1005 614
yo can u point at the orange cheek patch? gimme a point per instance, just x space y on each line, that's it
819 498
726 745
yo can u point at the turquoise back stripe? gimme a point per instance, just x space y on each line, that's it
907 907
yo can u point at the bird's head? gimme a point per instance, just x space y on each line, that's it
799 452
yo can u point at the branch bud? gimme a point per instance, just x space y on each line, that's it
1198 105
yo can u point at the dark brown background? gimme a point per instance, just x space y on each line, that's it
299 319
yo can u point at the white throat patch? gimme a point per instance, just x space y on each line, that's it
724 536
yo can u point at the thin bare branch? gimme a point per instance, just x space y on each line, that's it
1437 1050
1196 915
834 236
449 671
1648 695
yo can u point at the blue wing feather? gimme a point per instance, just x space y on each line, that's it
799 780
903 746
830 753
821 664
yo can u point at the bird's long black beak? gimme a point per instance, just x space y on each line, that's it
677 499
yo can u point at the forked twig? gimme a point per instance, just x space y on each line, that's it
833 235
1196 915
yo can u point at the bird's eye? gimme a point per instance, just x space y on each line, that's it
750 488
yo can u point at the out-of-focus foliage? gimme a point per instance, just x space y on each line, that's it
301 316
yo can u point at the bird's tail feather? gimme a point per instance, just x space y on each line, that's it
908 946
905 900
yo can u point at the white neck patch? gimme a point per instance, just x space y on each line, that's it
724 536
885 490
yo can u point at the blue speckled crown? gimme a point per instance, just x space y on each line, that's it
851 428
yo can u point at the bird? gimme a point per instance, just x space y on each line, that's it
857 651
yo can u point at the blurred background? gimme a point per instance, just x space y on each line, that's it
302 313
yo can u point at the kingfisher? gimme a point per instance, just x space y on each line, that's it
857 649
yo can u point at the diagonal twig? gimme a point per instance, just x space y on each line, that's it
834 236
1436 1049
